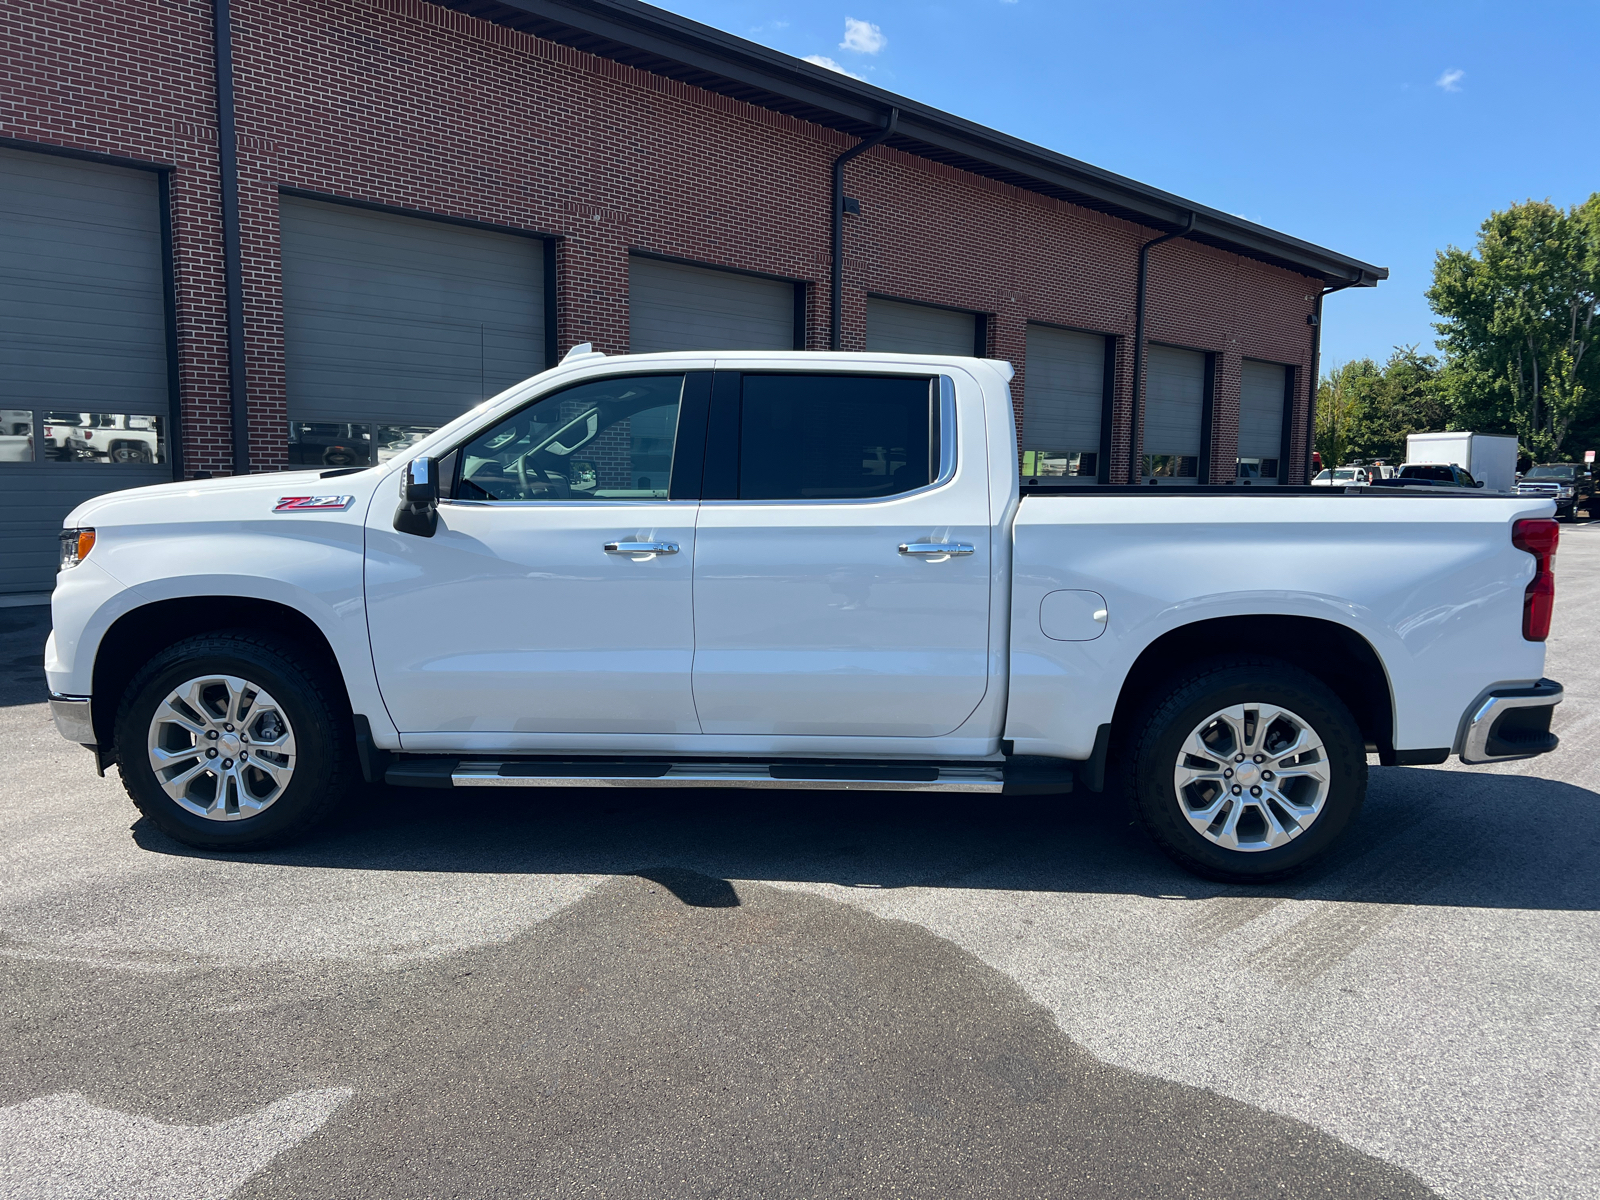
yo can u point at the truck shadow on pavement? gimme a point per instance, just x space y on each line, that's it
1425 837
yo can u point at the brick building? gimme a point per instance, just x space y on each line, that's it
274 232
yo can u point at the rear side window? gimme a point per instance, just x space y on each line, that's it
1437 474
836 437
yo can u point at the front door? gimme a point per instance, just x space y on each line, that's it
556 595
841 583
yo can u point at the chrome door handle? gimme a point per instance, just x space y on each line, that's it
952 549
641 547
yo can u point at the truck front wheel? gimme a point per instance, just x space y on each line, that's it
1249 771
234 741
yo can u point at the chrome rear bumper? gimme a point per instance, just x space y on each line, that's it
1509 723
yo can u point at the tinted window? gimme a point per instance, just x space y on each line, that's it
1437 474
835 437
606 440
1566 473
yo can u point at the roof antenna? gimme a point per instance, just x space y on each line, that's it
582 350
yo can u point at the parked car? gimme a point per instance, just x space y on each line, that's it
1566 484
1431 475
1342 477
840 584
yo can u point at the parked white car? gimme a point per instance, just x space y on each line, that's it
791 570
1342 477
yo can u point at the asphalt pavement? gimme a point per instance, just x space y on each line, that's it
631 994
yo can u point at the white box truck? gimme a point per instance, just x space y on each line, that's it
1490 458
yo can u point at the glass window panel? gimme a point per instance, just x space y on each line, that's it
1257 468
393 440
16 435
1172 466
1047 464
97 437
607 440
835 437
330 445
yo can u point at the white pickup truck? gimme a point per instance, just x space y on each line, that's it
791 570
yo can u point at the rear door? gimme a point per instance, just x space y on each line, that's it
842 557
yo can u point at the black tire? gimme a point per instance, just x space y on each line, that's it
1158 734
313 701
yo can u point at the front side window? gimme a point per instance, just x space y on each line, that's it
610 439
836 437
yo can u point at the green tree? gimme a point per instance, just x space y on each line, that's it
1338 404
1366 411
1517 325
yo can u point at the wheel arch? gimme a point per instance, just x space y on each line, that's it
134 637
1336 654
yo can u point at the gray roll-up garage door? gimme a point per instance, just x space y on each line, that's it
394 325
1262 392
1062 400
919 329
673 306
83 348
1174 395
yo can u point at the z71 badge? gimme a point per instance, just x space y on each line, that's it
314 503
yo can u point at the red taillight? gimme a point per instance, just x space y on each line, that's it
1538 536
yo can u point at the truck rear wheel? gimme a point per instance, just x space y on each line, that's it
233 741
1249 771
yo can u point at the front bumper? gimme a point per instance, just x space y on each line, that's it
1508 723
73 718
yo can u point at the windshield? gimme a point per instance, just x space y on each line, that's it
1345 473
1558 472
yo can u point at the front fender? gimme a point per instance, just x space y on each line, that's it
317 573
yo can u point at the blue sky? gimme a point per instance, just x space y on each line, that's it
1385 131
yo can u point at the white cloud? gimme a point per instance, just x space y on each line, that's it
1450 81
862 36
822 60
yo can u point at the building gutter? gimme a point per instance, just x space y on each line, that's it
1136 424
836 262
1316 369
232 256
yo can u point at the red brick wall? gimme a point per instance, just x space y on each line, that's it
406 103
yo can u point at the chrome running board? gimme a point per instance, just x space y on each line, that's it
875 777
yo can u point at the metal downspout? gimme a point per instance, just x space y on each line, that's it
836 273
1316 368
1136 442
232 258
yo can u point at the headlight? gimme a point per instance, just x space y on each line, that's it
1566 493
75 546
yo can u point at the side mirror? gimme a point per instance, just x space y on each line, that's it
418 513
1478 483
420 484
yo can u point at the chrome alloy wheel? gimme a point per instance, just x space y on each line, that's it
221 747
1251 777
